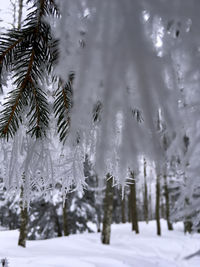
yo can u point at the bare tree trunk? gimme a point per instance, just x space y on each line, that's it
98 206
146 210
167 207
57 223
158 205
24 221
150 203
133 199
65 220
162 206
99 219
20 14
130 207
23 227
123 209
108 209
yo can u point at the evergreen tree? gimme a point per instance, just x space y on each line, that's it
9 208
45 219
79 212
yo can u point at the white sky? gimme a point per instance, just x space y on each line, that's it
5 13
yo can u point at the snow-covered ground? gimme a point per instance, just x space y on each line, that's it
86 250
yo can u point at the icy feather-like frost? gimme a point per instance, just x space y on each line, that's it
119 66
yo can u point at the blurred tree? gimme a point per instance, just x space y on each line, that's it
108 210
133 199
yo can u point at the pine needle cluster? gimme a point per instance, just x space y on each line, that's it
30 54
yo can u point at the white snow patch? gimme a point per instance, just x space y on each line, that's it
126 249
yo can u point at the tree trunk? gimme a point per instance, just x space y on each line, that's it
146 210
98 206
65 221
20 14
99 219
162 207
57 223
24 221
123 209
158 205
133 199
150 204
108 209
167 207
130 207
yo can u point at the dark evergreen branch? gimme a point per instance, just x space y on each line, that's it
137 114
97 112
9 118
31 53
8 49
62 107
38 122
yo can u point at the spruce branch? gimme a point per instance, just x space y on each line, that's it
97 110
63 105
9 118
6 54
39 113
28 54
